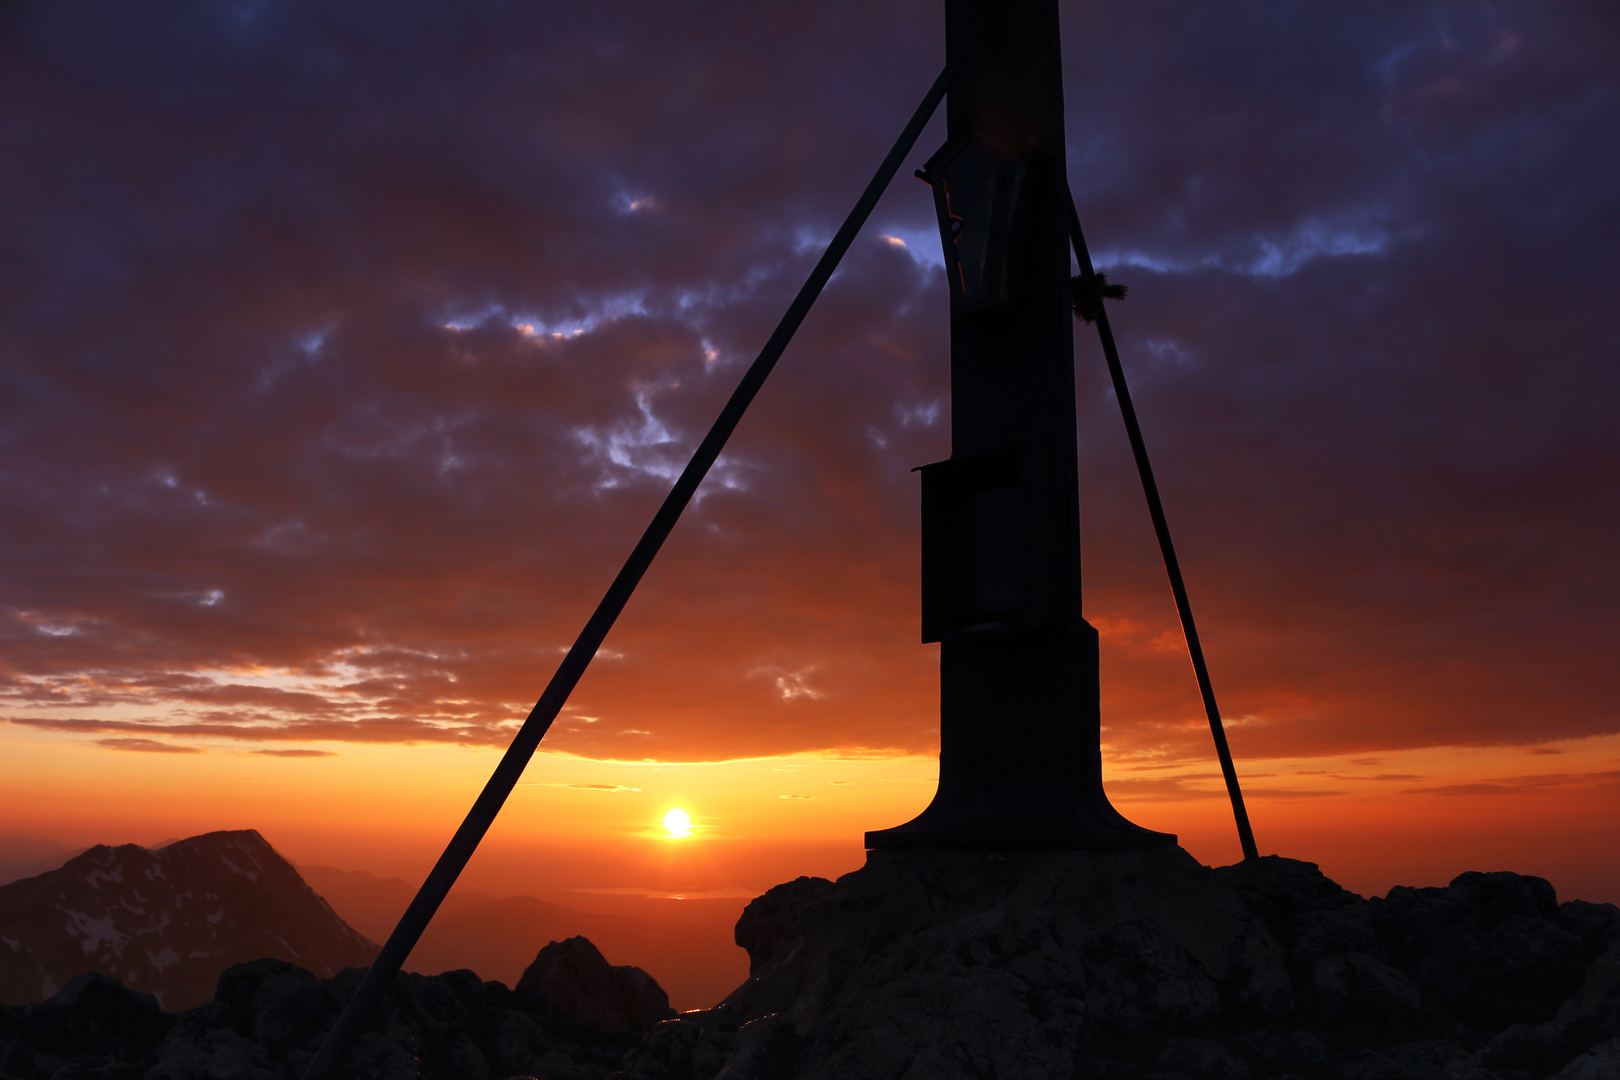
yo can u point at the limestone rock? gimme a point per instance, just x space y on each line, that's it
1602 1062
93 1024
940 963
269 1017
1592 1013
1537 1049
694 1048
1203 1059
1360 991
571 980
1146 966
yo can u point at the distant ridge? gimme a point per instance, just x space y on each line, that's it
25 856
697 960
167 921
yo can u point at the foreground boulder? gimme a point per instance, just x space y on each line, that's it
93 1023
1144 964
571 981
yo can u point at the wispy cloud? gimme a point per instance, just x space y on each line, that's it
346 450
396 731
1539 783
148 746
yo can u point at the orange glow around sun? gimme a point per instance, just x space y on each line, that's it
679 823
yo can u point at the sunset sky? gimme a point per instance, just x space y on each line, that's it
346 349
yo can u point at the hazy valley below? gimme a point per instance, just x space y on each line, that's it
693 957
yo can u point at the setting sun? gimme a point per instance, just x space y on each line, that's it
678 822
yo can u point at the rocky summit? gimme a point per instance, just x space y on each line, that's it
932 964
936 965
167 921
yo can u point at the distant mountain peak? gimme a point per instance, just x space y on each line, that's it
168 920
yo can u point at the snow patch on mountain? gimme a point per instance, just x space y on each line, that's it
167 921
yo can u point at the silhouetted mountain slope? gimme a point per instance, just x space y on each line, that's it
25 856
373 904
167 921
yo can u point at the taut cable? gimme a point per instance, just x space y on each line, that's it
1172 566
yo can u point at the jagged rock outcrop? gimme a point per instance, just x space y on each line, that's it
94 1024
1121 965
167 921
269 1017
572 982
